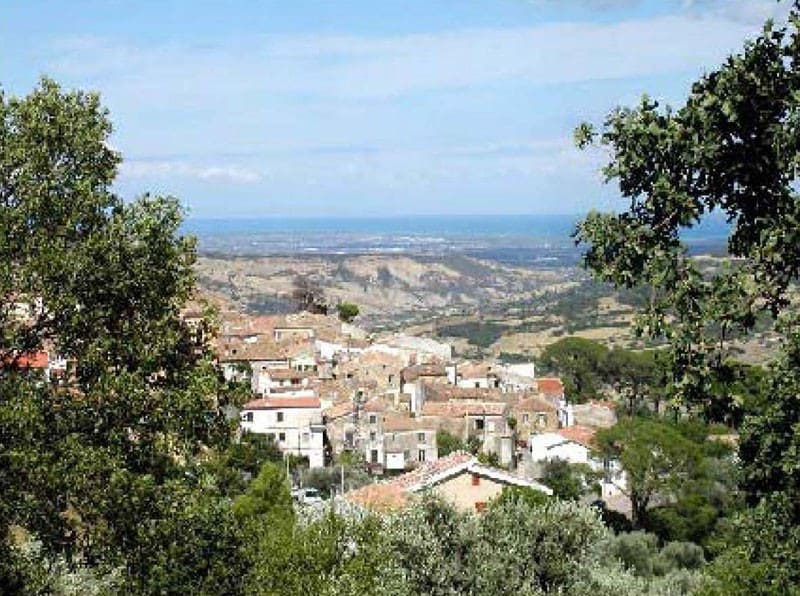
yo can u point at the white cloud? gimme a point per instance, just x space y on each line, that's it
411 120
750 12
168 169
368 67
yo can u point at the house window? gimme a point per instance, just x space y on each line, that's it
421 437
526 418
391 379
248 417
281 437
541 419
373 418
374 456
479 424
476 480
372 436
280 416
477 384
421 455
480 506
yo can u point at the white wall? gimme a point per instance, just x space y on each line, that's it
547 446
300 428
395 461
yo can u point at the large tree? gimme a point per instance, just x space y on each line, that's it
99 467
732 149
578 361
656 457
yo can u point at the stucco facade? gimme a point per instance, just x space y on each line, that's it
294 423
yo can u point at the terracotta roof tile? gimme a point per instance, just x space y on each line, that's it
338 410
436 392
579 434
379 497
477 370
533 404
395 493
550 386
411 373
376 405
461 409
274 403
396 422
425 472
33 360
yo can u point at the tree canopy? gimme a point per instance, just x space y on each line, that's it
730 151
98 465
347 311
655 455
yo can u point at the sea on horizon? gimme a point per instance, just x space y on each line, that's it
510 239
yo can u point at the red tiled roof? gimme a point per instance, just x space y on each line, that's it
378 357
429 470
435 392
411 373
338 410
395 422
379 497
534 404
375 405
395 493
284 374
580 434
475 371
30 360
274 403
550 386
263 349
461 409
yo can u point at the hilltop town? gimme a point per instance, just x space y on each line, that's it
322 387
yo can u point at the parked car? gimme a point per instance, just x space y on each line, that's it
306 496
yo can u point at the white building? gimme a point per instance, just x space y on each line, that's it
295 423
330 350
420 349
518 377
572 445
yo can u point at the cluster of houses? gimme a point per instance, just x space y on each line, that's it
322 387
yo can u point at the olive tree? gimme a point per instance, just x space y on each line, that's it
100 467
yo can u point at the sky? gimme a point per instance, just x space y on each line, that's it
248 108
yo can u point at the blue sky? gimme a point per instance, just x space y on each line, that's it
340 107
